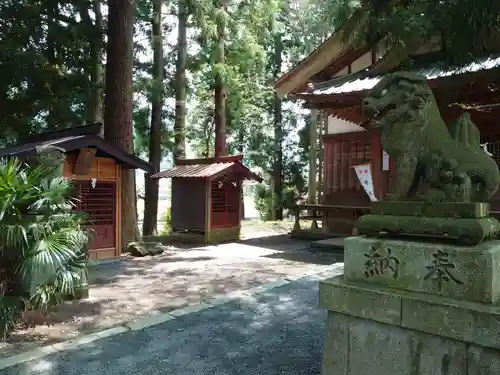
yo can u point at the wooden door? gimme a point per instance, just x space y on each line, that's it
99 203
225 207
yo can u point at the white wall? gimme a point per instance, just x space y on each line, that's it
343 72
362 63
339 126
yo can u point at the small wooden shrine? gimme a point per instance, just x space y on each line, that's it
207 198
95 167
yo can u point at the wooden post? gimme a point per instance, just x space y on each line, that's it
296 226
377 163
208 209
118 223
313 154
84 160
321 159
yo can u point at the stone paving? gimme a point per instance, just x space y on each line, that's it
279 331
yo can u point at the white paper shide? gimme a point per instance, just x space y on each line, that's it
385 161
364 173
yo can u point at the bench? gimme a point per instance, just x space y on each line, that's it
317 212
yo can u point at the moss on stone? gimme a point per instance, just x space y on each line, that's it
431 209
468 231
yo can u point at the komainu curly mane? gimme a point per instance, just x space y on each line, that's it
415 136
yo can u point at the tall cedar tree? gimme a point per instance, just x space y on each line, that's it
152 185
219 89
94 108
118 103
180 82
278 134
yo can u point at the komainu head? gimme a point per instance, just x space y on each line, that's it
397 95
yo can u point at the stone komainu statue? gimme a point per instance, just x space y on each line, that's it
452 161
52 157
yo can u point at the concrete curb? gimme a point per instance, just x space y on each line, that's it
154 319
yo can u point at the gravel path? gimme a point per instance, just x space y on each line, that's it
276 332
124 290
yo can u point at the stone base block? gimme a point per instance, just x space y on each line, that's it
220 235
359 347
212 237
467 231
375 330
465 272
450 210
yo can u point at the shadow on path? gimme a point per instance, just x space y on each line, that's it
281 242
278 332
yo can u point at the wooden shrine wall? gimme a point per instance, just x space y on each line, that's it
341 152
225 203
341 184
188 207
103 169
105 214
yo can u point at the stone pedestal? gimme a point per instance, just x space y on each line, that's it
466 272
413 308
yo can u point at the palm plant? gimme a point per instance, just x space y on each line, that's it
42 243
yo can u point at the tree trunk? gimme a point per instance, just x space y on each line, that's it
180 83
219 89
118 103
52 31
149 224
278 136
207 135
94 108
96 46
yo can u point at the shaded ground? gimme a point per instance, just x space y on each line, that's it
278 332
123 290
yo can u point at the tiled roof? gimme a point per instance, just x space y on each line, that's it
208 170
194 170
361 81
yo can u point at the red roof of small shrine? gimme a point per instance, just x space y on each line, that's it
208 168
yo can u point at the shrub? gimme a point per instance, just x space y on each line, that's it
42 244
263 202
166 220
263 199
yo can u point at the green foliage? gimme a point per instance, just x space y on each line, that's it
166 220
467 27
264 200
44 65
42 244
144 87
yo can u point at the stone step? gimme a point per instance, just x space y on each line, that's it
330 245
311 234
